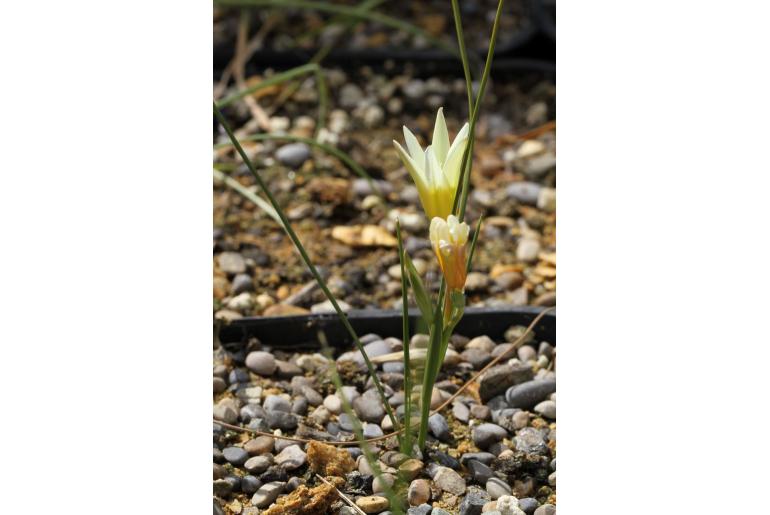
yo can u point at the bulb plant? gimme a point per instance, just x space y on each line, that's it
437 183
441 173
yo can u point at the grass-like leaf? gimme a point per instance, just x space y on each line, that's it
278 78
247 193
406 438
461 196
475 239
420 294
303 253
358 430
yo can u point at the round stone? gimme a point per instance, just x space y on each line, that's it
419 492
259 445
439 427
260 362
485 435
293 154
276 403
333 404
235 455
258 464
546 509
547 409
219 385
291 458
449 481
267 494
372 504
497 488
528 505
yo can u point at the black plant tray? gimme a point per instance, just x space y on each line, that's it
301 332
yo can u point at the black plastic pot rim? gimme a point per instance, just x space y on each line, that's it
301 331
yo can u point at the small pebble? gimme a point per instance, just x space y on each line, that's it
267 494
293 154
547 409
260 362
419 492
496 488
372 503
449 481
235 455
486 434
291 458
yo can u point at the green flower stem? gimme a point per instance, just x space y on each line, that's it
432 365
464 184
406 439
301 249
463 54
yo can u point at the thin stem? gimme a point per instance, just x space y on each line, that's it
406 441
463 54
272 81
245 192
463 186
323 99
473 244
358 429
432 365
301 249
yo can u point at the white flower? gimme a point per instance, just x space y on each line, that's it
435 170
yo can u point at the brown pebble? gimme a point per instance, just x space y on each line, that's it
259 445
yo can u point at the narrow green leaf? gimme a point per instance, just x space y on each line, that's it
473 243
420 295
358 429
306 259
406 438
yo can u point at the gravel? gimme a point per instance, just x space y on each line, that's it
486 434
527 395
293 154
262 363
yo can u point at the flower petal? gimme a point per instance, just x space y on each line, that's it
454 157
440 137
415 150
416 171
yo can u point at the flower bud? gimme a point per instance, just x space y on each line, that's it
449 238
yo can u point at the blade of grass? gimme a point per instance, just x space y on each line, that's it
463 54
406 439
247 193
339 154
323 100
461 196
272 81
358 429
473 244
303 253
352 11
